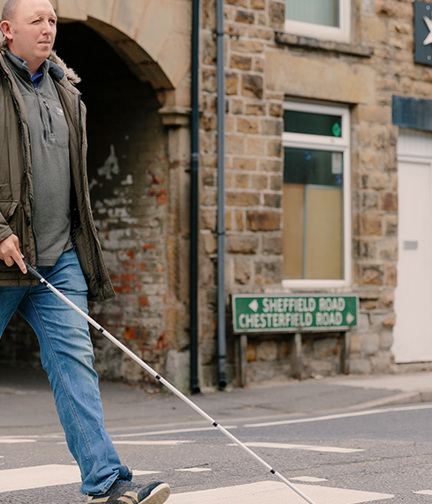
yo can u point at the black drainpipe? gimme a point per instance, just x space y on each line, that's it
220 77
194 200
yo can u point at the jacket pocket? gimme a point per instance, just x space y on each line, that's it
8 202
7 209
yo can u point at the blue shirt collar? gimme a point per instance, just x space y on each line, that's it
36 78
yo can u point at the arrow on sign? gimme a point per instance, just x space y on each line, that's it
350 318
254 305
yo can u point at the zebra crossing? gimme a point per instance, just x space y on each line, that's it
276 493
36 477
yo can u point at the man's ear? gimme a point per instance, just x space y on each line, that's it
5 27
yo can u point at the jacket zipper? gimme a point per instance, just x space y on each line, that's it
49 116
46 130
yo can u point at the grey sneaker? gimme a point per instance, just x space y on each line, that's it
126 492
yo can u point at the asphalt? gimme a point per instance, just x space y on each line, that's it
27 404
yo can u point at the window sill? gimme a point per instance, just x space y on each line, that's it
308 43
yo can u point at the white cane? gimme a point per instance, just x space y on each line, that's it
164 382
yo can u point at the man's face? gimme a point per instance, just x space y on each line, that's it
31 32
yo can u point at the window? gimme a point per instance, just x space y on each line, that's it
323 19
316 196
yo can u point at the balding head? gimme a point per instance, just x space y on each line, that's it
9 9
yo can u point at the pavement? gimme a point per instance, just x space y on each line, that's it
27 404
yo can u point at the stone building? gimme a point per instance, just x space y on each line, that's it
326 169
315 208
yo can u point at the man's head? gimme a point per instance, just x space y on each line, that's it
30 27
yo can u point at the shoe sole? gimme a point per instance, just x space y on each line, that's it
158 496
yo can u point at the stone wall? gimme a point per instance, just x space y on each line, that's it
264 66
140 141
253 161
387 27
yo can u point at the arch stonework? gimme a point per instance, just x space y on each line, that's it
153 36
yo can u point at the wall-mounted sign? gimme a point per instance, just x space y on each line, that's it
264 313
423 32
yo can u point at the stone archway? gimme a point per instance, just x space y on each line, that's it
137 171
152 36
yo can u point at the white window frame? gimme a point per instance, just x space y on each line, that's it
321 142
313 30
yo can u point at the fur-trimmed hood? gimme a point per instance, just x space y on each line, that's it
61 70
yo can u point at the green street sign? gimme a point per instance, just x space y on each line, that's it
293 313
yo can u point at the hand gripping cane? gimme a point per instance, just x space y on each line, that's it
164 382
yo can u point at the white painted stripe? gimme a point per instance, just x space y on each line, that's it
308 479
25 478
193 470
341 415
276 493
154 442
172 431
289 446
150 443
32 438
144 473
424 492
12 480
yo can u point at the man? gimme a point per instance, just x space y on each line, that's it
45 218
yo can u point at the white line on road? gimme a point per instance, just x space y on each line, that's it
8 440
12 480
342 415
424 492
25 478
172 431
193 470
276 493
144 473
308 479
289 446
155 442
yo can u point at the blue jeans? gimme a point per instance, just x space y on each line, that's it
67 357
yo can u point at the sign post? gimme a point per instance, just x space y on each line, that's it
297 314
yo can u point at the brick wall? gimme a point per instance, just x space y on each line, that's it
253 162
128 175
